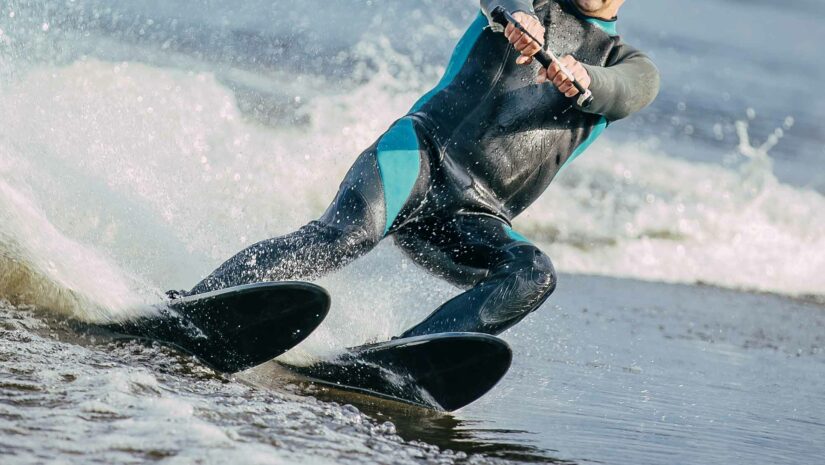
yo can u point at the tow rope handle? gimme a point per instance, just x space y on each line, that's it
545 57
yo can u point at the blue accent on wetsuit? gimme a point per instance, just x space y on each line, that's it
399 165
606 26
460 54
516 236
446 179
398 149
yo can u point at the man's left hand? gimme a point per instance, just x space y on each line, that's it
521 41
554 74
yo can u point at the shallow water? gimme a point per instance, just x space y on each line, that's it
143 143
640 373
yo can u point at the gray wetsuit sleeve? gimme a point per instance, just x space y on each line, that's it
625 86
487 6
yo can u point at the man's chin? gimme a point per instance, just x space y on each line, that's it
590 6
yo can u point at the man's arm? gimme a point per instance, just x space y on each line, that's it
625 87
627 84
487 6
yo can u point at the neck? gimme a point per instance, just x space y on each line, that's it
600 9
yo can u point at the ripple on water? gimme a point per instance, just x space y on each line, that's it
129 402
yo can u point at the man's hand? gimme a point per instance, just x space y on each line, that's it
559 79
521 41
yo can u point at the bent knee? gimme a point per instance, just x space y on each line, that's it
544 275
346 238
359 237
353 216
535 271
520 286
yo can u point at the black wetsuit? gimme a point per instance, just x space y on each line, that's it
446 179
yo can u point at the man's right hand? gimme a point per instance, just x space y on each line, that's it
521 41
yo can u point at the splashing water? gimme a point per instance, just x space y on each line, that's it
156 176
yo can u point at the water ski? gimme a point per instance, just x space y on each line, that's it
440 371
231 329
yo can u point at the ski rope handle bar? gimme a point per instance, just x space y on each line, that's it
545 57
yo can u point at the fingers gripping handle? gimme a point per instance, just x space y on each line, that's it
545 57
585 97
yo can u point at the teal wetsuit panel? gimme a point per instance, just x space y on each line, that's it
607 26
398 150
399 164
516 236
460 54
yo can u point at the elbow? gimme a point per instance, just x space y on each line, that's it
642 93
652 83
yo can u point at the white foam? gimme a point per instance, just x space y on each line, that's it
39 265
631 210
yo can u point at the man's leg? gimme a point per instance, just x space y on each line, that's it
385 183
352 225
510 277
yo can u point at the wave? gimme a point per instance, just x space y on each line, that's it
121 179
631 210
41 266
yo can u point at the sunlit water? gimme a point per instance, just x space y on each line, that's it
143 143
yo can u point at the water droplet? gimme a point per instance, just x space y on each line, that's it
718 132
45 27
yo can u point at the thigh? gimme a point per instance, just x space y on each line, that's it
391 178
463 249
359 204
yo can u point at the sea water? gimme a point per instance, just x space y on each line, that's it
141 144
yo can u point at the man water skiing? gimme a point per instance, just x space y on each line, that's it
447 178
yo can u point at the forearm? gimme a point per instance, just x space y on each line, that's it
623 89
487 6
